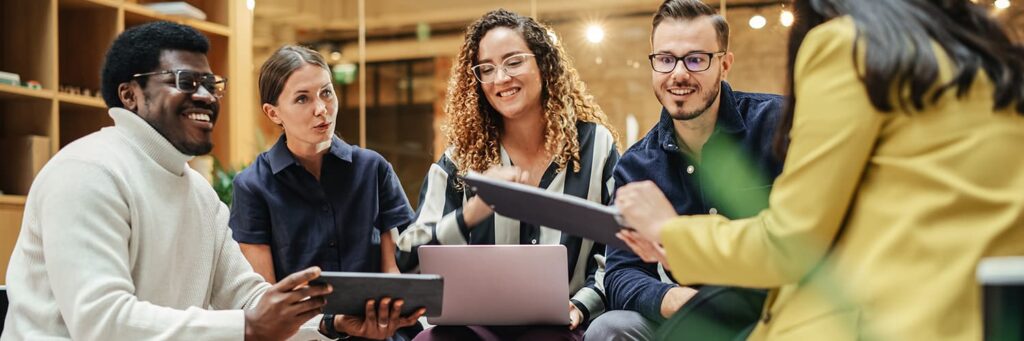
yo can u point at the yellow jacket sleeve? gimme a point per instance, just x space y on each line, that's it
834 131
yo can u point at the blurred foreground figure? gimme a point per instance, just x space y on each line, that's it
902 171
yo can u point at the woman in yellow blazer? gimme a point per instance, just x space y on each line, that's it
904 168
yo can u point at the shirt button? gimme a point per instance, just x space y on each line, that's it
767 317
534 241
324 208
332 243
689 169
713 210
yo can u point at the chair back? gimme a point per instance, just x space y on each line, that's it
3 306
1002 287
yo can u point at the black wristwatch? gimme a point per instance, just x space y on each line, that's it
329 330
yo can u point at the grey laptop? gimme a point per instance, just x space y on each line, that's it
500 285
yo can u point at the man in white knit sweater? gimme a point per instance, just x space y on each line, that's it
121 240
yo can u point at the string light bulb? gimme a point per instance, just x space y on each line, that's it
595 34
786 18
757 22
1002 4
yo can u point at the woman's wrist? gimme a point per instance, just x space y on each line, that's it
323 329
475 211
339 328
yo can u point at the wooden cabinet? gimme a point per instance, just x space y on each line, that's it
61 45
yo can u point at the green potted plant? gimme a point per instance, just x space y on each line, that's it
222 181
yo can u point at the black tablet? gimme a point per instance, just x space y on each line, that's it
570 214
353 289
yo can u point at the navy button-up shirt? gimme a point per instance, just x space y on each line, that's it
334 223
732 177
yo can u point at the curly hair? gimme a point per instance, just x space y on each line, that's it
138 49
473 126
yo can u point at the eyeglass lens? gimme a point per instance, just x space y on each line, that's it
694 62
189 81
512 66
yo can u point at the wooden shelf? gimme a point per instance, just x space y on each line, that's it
64 43
80 29
28 41
7 199
76 121
17 92
90 4
147 15
89 102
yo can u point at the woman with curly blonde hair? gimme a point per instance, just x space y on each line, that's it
517 111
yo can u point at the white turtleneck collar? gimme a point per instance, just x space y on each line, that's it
149 141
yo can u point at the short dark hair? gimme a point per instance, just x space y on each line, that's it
276 70
138 49
689 10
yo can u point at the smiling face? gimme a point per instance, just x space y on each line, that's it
512 96
685 94
186 120
307 107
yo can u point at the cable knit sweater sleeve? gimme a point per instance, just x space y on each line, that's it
235 284
87 233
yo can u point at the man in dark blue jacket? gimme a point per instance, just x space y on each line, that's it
711 152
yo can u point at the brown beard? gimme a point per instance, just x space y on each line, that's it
708 101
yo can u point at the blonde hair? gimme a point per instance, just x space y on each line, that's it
473 126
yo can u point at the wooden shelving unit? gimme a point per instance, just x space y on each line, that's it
61 43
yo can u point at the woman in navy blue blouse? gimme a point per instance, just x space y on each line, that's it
312 199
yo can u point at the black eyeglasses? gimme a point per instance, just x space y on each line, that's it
189 81
693 61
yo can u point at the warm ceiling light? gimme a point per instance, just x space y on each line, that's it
786 18
1002 4
757 22
595 34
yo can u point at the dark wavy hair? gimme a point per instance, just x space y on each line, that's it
897 36
473 126
138 49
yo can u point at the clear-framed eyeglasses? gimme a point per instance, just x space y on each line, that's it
693 61
511 66
189 81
